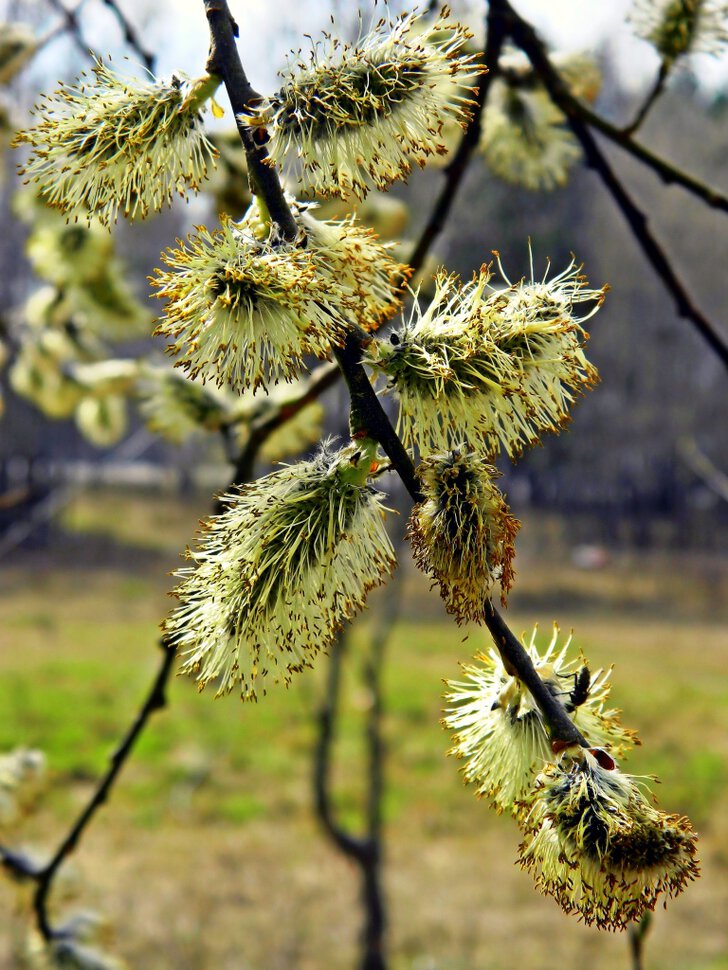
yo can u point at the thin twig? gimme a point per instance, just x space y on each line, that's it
526 38
263 427
456 168
701 466
637 933
131 35
350 845
655 91
73 25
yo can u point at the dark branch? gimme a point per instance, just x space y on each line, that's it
72 24
526 38
350 845
655 91
224 61
262 427
669 173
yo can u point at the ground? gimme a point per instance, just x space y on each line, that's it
208 854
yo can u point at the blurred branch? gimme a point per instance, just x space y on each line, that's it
525 37
655 91
637 933
324 377
72 24
701 466
131 36
45 875
456 168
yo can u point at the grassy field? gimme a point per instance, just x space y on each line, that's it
208 855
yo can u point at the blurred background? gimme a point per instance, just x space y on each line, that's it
209 854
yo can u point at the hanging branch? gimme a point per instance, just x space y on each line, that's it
155 700
669 173
367 414
364 850
526 38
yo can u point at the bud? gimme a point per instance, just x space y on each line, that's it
102 420
111 144
499 731
244 311
496 369
525 139
680 27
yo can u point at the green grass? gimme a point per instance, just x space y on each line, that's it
212 815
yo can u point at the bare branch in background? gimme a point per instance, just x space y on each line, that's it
72 24
45 876
655 91
526 38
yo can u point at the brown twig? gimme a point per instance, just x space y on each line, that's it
655 91
262 428
637 933
525 37
224 61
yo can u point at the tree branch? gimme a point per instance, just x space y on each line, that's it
45 875
367 414
224 61
456 168
655 91
72 24
262 427
526 38
351 846
575 110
